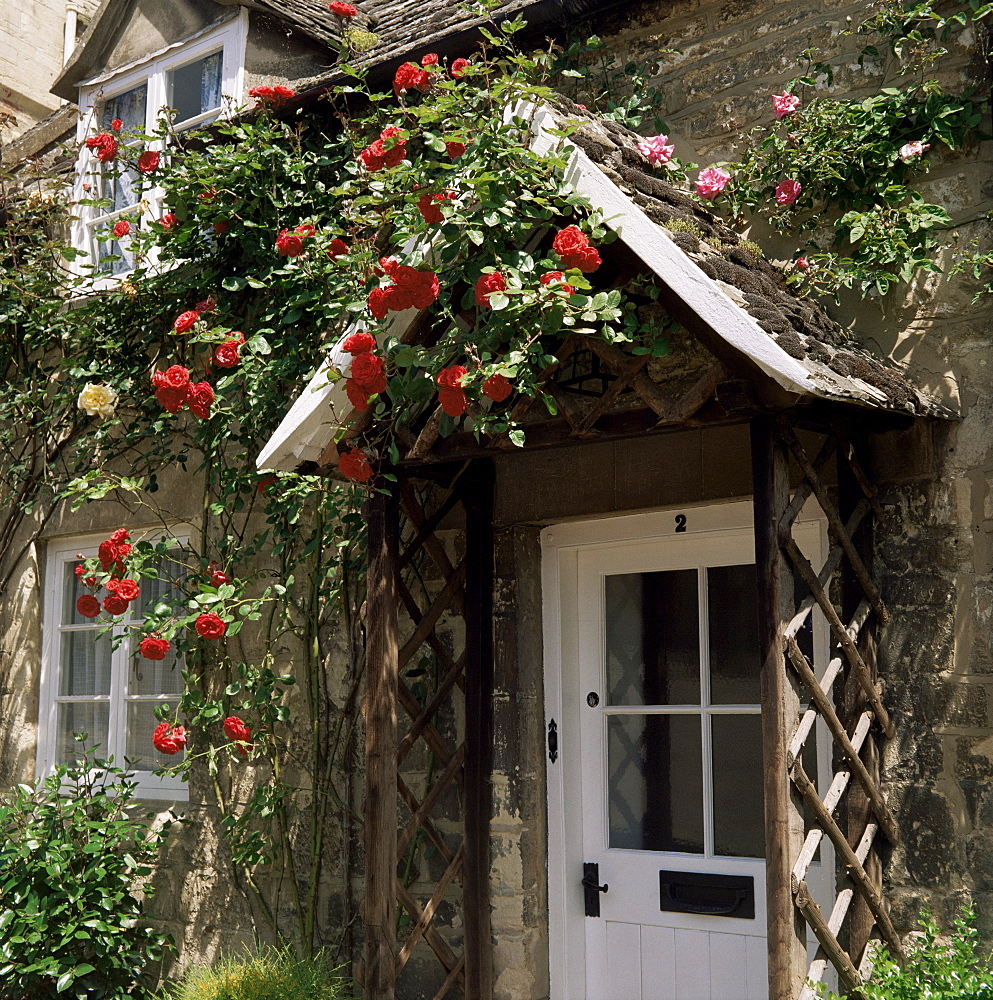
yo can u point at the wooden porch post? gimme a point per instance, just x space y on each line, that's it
780 710
477 496
380 810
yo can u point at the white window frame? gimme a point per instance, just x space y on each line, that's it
230 39
62 554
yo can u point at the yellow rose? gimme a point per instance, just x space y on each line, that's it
98 400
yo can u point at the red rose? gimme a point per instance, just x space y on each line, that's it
497 387
410 76
458 66
487 285
154 648
107 554
239 733
148 161
185 320
79 569
336 248
105 145
454 149
355 465
357 396
429 211
209 304
367 372
262 95
388 265
574 248
88 606
451 378
115 605
210 626
283 93
557 277
422 286
123 551
128 589
359 343
377 303
168 221
217 576
119 536
265 483
220 228
453 401
122 228
176 376
200 399
289 244
342 9
227 355
171 397
117 124
168 739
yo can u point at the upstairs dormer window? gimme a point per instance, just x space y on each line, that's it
191 81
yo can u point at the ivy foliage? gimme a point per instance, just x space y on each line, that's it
71 923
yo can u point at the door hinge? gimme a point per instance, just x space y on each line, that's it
553 741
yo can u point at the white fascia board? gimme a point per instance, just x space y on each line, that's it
317 414
649 242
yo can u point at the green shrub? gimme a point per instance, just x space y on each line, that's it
70 851
272 974
956 968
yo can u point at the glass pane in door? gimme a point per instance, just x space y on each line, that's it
655 782
734 640
739 825
652 638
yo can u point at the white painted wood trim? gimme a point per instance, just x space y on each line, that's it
58 553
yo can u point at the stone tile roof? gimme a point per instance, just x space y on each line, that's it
800 326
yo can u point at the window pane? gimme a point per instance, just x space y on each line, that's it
739 824
88 717
128 107
654 777
167 585
153 676
84 666
734 635
138 749
196 87
115 256
653 644
72 590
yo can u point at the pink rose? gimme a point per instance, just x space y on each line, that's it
787 192
655 150
784 104
911 150
711 182
802 264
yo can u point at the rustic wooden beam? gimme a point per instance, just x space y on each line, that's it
380 807
804 489
856 872
858 665
780 710
698 394
477 493
839 957
837 527
838 732
430 734
437 943
430 908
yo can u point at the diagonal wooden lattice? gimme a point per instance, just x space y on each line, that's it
424 557
852 812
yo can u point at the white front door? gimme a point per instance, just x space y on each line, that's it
654 669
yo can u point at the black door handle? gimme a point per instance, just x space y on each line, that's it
592 888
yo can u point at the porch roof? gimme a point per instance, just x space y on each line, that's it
739 305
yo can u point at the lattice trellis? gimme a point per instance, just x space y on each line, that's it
446 617
847 699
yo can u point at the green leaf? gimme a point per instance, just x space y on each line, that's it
233 284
